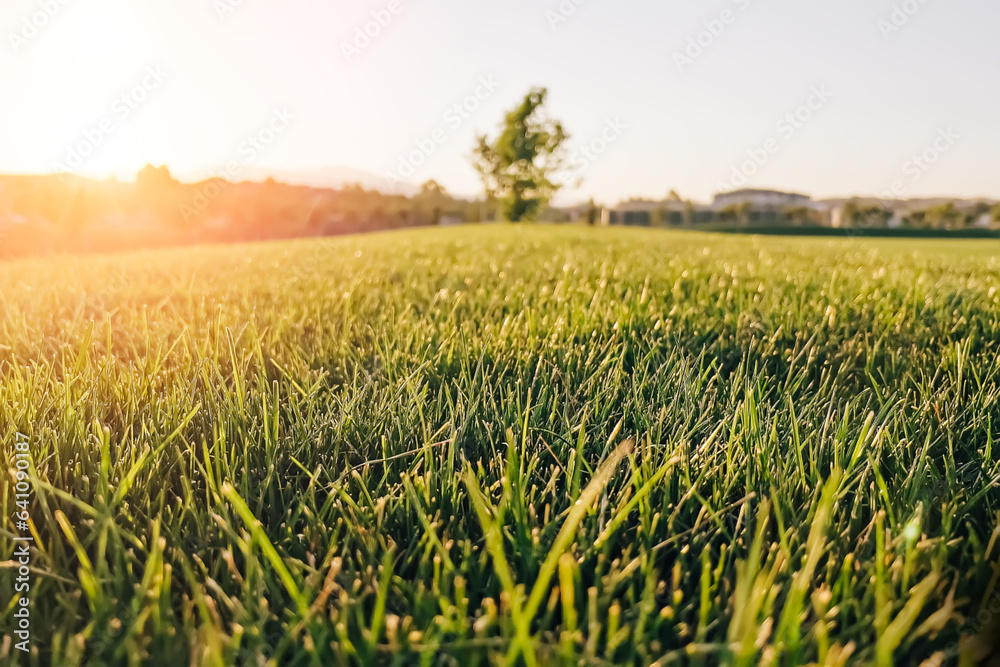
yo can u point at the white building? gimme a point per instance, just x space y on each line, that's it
761 199
741 207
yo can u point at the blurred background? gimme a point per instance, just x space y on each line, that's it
129 124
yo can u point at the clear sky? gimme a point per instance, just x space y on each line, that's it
186 82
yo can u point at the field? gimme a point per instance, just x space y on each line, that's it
475 446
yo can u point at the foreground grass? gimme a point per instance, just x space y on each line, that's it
543 446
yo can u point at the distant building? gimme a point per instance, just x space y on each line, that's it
583 212
647 213
837 216
773 207
740 207
761 199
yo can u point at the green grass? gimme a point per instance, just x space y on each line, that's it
507 445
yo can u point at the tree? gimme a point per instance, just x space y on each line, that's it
431 200
159 193
592 212
738 213
866 216
945 216
660 216
799 215
689 212
151 178
916 219
516 166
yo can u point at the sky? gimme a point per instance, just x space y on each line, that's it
696 96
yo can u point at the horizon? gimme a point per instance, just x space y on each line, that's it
830 101
277 177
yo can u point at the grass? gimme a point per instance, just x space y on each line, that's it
507 445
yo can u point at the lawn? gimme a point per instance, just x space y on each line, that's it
474 445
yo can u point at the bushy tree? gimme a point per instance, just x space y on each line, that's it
151 178
799 215
431 201
864 216
517 167
739 213
945 216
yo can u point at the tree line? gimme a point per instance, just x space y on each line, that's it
64 213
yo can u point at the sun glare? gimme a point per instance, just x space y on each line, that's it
111 79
